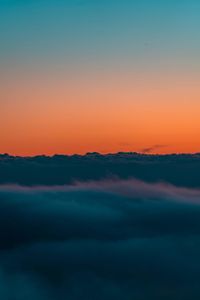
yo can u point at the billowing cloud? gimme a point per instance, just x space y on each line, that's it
100 240
180 170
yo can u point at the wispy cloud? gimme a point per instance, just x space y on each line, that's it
152 148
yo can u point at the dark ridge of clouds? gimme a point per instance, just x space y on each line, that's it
180 170
108 240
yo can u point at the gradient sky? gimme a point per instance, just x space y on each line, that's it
99 75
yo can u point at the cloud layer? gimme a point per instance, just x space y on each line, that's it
100 240
179 170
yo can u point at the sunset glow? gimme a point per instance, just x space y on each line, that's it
122 92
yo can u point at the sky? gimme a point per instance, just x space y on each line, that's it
113 75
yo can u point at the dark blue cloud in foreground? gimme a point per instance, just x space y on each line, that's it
101 240
179 170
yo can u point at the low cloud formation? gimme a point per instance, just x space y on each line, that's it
180 170
108 240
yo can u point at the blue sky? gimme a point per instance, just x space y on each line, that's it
100 30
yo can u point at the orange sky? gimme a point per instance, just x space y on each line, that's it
46 112
106 76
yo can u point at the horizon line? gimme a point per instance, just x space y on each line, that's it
100 154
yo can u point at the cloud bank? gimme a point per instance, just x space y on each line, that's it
180 170
100 240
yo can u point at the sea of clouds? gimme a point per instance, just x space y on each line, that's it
109 240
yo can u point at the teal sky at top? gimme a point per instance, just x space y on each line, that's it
132 32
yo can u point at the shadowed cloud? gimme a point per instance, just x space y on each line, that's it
180 170
109 239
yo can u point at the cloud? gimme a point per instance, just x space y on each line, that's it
100 240
180 170
152 148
